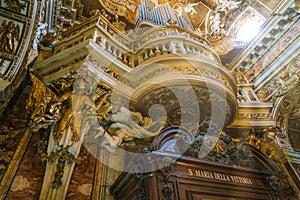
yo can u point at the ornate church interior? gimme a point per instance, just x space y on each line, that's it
150 99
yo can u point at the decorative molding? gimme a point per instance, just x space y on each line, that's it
14 164
255 115
282 83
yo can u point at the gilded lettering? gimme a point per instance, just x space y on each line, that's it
190 172
219 176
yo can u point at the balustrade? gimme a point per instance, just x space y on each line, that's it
152 43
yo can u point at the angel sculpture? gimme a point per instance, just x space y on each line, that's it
72 104
128 125
188 8
9 33
215 24
225 5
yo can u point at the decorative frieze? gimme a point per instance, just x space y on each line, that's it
255 115
18 6
282 83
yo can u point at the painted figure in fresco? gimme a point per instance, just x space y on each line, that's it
9 33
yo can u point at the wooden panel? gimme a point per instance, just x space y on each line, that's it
194 179
190 190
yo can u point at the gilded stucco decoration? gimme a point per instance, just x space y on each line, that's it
10 42
76 104
285 113
54 106
282 83
15 5
16 32
187 7
71 106
43 105
216 23
127 8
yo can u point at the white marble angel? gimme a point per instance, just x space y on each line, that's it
188 8
225 5
128 125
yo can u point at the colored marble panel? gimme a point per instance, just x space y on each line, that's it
81 183
28 181
12 129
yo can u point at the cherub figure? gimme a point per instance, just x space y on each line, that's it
215 24
9 33
224 5
187 8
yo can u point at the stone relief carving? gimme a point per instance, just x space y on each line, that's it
187 8
105 69
71 103
255 115
280 85
9 34
223 150
182 69
216 21
15 5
